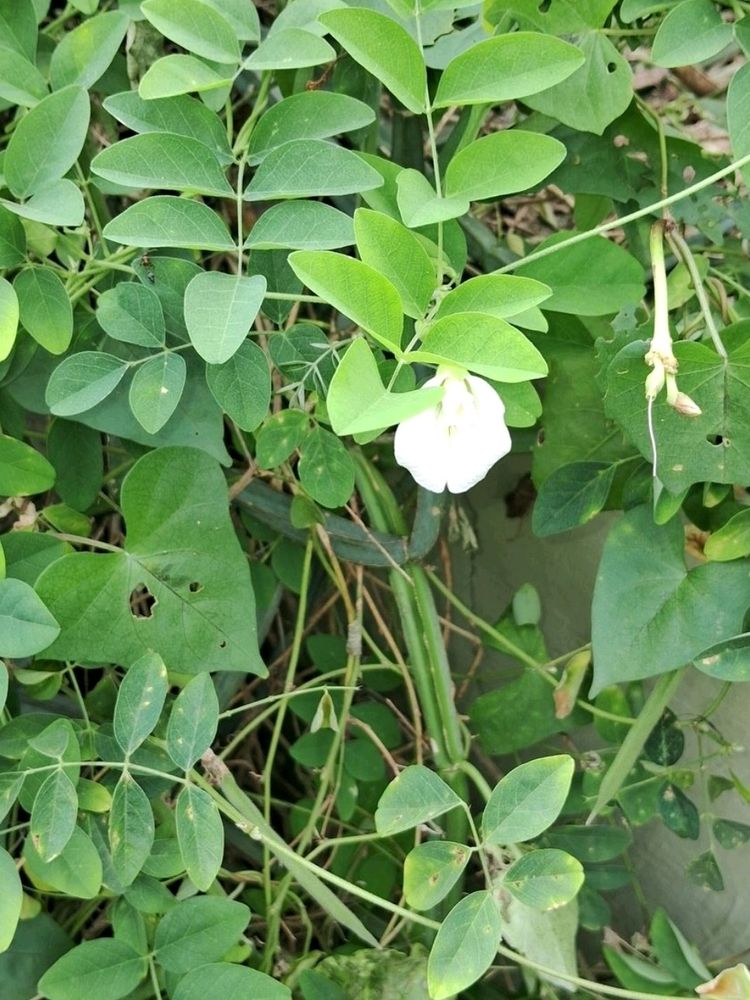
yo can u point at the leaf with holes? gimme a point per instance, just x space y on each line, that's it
181 556
596 94
712 447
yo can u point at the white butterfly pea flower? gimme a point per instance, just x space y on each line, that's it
455 443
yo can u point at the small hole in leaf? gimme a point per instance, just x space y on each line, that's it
223 644
716 439
142 602
195 587
544 6
611 67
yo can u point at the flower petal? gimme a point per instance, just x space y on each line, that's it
479 440
421 445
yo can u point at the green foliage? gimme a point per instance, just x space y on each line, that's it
236 244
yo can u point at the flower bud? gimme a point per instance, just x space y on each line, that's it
686 406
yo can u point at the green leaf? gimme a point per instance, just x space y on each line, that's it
312 114
591 278
11 899
156 390
727 660
679 814
23 470
12 240
590 844
674 953
385 49
53 815
506 68
303 168
431 870
224 979
290 48
301 225
169 221
483 344
501 295
200 834
195 26
164 161
690 33
358 402
279 436
180 115
730 835
45 308
571 496
82 380
10 786
140 700
26 625
219 312
18 26
85 53
355 289
738 113
544 879
419 204
132 313
415 796
596 94
666 742
242 16
242 385
197 931
20 80
77 872
175 75
182 549
325 469
465 946
193 721
9 314
502 163
131 829
58 204
4 678
704 872
106 969
678 612
46 142
527 800
705 448
388 247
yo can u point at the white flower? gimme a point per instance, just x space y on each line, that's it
455 443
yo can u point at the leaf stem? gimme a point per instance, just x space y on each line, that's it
680 246
623 220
